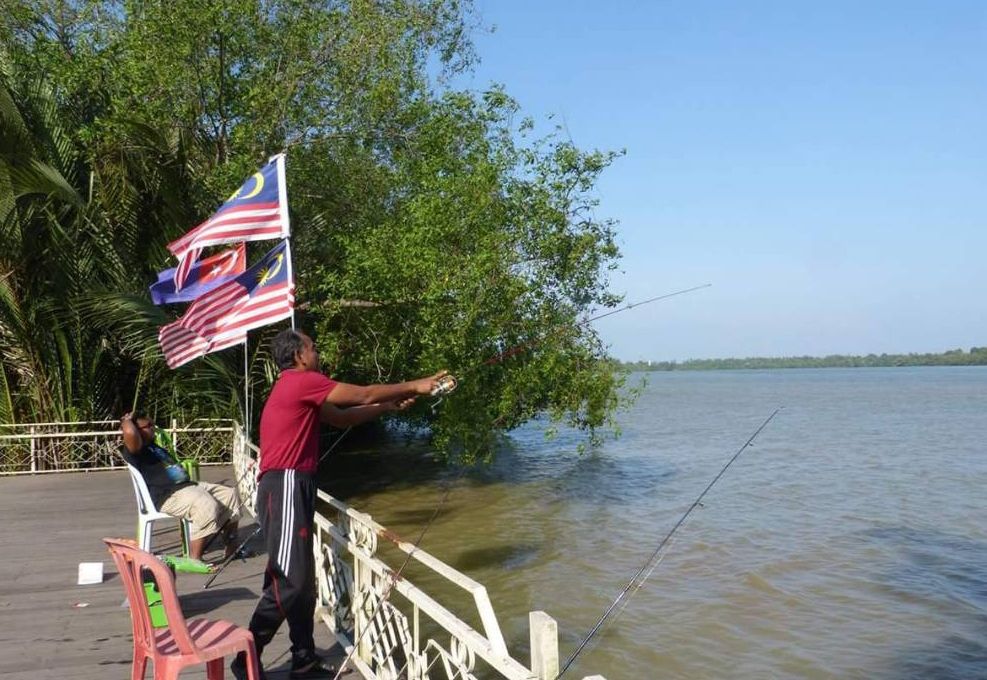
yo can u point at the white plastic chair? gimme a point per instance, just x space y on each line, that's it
148 514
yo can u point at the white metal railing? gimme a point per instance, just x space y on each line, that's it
404 636
399 630
34 448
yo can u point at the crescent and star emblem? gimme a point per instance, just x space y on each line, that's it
222 267
258 186
272 271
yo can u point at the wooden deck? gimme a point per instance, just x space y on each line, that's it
52 628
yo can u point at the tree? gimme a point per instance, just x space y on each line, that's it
431 230
75 231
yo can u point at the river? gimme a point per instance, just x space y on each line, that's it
850 541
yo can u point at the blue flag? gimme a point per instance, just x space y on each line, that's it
206 274
263 294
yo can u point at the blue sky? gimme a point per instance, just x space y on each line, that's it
823 165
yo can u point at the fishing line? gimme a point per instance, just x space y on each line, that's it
637 577
397 575
447 385
525 345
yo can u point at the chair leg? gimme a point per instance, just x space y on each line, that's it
215 669
253 662
144 534
139 667
186 531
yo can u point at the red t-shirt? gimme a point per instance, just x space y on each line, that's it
289 424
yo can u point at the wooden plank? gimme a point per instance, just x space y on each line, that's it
52 628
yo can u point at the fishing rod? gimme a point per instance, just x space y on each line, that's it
449 383
397 575
525 345
664 541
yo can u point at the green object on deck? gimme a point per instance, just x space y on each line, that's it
153 596
186 564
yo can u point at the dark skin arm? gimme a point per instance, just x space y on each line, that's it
131 435
357 415
345 394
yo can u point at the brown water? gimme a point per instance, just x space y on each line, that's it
849 542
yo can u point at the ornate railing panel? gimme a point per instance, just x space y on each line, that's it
411 636
67 447
392 628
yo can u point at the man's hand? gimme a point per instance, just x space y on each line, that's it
401 405
428 385
131 435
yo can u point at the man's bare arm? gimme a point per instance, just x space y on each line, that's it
357 415
131 435
345 394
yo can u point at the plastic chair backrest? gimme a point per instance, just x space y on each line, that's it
130 560
145 505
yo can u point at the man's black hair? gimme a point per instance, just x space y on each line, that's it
285 346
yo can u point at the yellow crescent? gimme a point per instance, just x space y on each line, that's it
273 271
260 185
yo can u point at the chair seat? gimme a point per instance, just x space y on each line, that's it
214 638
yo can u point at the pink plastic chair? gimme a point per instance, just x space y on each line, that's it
182 643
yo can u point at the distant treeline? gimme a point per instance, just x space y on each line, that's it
977 356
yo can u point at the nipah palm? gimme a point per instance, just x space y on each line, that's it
78 228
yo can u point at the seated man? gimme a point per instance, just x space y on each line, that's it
211 508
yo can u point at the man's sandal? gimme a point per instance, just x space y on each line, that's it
310 667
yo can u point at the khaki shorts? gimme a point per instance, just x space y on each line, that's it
207 506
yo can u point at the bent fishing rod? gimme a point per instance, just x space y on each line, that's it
449 383
637 580
446 385
551 331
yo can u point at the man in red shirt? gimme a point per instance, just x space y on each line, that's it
300 400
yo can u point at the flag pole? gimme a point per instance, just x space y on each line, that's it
291 276
285 220
246 389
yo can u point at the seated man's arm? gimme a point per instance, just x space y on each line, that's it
131 435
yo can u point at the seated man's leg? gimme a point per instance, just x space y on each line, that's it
227 497
206 514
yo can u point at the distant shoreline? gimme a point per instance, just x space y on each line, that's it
977 356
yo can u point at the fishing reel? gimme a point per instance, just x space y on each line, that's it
444 385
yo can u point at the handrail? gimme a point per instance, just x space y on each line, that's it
478 591
103 433
45 448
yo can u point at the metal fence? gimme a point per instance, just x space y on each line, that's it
92 445
392 627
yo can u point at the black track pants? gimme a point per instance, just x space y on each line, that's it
286 511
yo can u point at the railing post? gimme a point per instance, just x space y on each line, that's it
362 587
34 460
174 434
544 645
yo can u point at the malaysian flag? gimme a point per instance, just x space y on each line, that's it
221 318
258 210
206 274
